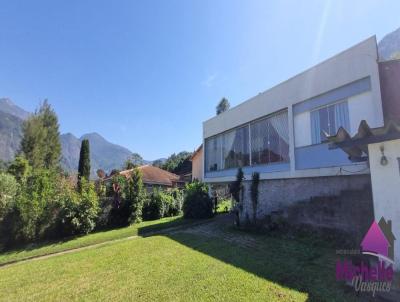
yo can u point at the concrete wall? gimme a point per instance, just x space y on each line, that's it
279 194
197 165
389 73
350 66
386 187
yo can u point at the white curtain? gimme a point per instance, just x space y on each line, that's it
342 116
280 123
315 127
227 145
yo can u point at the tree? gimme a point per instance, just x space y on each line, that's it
20 168
176 162
40 142
52 145
8 190
222 106
101 174
158 163
84 162
135 196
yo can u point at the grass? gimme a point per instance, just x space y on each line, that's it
181 266
41 249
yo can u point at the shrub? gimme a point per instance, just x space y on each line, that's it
80 210
197 203
8 190
155 206
175 208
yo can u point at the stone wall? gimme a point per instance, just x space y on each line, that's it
337 202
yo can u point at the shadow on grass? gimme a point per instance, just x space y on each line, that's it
44 248
300 265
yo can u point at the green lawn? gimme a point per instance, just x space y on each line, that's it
182 266
41 249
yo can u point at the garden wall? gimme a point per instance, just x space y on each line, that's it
336 202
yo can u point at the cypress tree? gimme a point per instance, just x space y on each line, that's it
84 162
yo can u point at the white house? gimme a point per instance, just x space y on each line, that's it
281 133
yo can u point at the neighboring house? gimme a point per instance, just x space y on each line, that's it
154 177
281 133
197 164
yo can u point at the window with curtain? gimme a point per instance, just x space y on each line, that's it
213 152
329 119
270 140
235 148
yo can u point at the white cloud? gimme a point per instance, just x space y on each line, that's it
209 81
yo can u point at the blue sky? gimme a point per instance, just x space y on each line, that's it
146 74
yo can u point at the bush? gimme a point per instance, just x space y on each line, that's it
80 210
197 204
8 190
155 206
175 207
163 204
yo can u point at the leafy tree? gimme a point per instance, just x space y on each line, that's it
177 162
101 174
222 106
52 147
20 168
135 196
84 162
80 210
134 160
8 190
158 163
40 142
197 203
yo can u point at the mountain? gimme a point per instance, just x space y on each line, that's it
389 46
103 154
7 106
10 135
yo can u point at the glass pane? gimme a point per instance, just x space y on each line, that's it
323 122
213 153
270 140
236 148
259 142
331 114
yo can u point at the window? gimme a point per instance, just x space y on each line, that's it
328 120
213 154
235 148
270 140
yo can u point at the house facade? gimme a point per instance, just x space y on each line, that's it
280 133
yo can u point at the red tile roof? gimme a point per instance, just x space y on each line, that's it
154 175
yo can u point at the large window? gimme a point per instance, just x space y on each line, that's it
235 148
328 120
268 138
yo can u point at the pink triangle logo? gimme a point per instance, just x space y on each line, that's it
375 242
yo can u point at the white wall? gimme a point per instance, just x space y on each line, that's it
356 63
302 129
363 107
197 165
386 187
